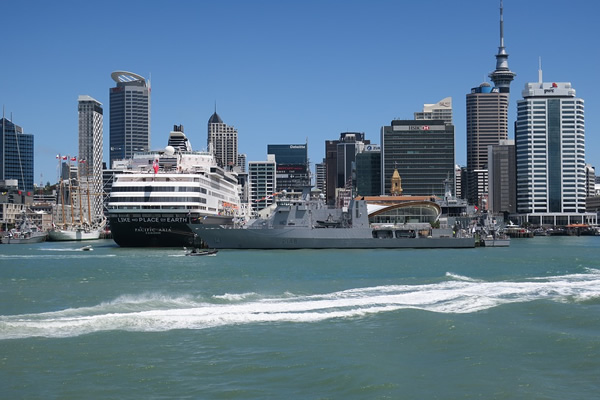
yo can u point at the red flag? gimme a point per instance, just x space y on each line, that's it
64 157
73 158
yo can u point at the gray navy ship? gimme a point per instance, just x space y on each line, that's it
307 223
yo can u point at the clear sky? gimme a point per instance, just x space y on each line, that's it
283 72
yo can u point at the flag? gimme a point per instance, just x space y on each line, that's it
64 157
57 156
73 158
82 160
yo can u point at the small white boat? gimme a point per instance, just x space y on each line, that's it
202 252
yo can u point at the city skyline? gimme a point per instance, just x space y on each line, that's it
284 72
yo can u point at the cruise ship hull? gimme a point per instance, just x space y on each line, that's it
319 238
158 230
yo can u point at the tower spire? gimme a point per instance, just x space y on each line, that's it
502 76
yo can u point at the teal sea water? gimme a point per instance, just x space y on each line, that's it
488 323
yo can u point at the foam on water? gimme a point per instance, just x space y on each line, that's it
159 312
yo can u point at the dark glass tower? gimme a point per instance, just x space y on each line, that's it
129 116
423 154
16 155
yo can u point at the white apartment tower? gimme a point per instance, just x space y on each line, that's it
90 151
262 181
442 110
550 154
222 141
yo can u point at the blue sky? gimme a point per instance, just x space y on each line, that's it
283 71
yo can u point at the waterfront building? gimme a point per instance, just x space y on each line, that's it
129 116
222 141
90 150
293 173
368 171
13 202
423 154
16 155
441 110
502 194
262 181
487 122
550 154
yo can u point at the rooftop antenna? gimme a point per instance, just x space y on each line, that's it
540 70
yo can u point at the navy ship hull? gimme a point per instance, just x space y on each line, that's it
309 224
220 237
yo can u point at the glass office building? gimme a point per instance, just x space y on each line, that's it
16 155
423 154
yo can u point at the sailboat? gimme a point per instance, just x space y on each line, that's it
74 230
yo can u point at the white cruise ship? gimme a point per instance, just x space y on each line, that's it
159 193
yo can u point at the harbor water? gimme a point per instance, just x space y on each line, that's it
521 322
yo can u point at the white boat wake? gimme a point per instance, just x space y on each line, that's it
154 312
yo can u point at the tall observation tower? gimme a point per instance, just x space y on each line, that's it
502 76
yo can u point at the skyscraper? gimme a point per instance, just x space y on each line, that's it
423 154
550 152
16 155
368 171
293 171
487 122
502 190
90 149
222 141
487 125
129 116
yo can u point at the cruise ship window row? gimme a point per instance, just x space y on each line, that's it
158 199
158 189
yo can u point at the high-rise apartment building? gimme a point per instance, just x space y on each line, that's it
16 155
129 116
550 152
90 150
441 110
423 154
222 141
487 123
262 181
